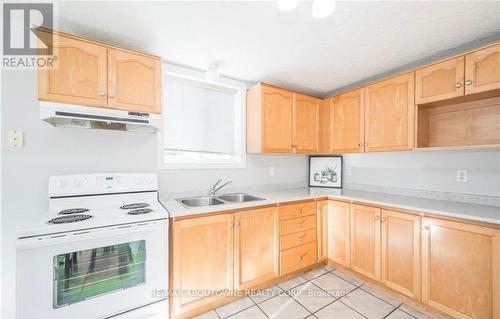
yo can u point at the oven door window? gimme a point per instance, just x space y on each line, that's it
89 273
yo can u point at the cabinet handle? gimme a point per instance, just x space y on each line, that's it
300 211
237 224
458 85
360 144
101 93
366 144
468 82
232 225
425 228
377 217
301 225
383 219
111 96
301 257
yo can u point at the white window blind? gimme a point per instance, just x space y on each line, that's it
202 123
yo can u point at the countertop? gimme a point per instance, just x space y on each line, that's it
423 206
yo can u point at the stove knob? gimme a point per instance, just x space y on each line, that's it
61 183
139 180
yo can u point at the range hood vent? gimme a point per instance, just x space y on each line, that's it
77 116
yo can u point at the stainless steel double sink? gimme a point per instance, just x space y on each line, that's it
211 200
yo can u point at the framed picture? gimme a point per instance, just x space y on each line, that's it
325 171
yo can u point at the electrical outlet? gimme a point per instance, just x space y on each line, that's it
348 171
15 138
462 176
271 170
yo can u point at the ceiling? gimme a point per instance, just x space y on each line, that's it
253 41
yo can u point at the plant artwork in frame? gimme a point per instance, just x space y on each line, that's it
325 171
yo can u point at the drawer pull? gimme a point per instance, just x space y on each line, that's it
301 257
301 211
301 225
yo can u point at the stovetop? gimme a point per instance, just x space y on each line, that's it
99 206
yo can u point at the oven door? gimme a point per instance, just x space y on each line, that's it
93 273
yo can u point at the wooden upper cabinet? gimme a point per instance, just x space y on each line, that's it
461 269
280 121
389 114
276 124
365 240
440 81
80 75
94 74
325 126
338 230
482 70
256 247
134 82
400 249
348 122
305 123
202 258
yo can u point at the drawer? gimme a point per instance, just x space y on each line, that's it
297 224
298 257
297 210
296 239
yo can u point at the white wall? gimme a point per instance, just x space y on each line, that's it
52 151
428 170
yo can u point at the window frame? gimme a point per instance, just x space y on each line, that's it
240 130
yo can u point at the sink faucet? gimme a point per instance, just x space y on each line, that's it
214 188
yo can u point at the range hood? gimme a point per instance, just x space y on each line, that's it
69 115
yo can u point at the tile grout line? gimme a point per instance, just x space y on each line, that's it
309 313
257 305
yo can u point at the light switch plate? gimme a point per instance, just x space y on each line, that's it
15 138
462 176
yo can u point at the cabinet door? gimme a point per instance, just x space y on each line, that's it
349 122
325 127
79 76
322 228
482 70
305 123
461 269
365 240
401 252
339 233
440 81
389 114
202 258
277 120
134 82
256 247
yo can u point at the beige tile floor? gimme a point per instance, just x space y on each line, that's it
322 293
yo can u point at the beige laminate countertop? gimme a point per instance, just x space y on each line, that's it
473 212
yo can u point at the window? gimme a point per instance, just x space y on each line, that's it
88 273
203 124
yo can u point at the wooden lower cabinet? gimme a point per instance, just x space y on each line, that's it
323 206
338 233
202 258
461 269
400 252
298 257
256 247
365 240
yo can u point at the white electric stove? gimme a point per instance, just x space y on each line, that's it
100 251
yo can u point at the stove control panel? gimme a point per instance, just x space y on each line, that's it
93 184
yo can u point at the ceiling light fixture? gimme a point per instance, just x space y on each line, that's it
322 8
287 5
212 74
